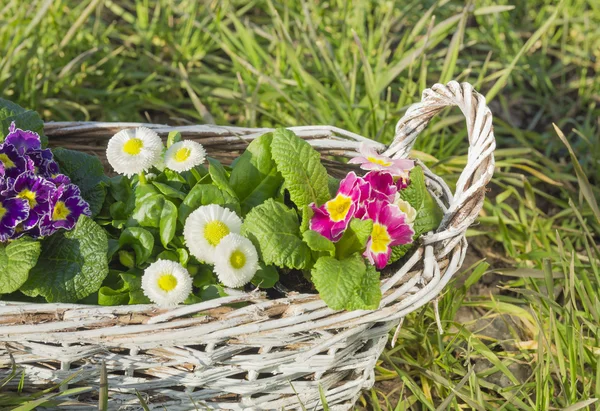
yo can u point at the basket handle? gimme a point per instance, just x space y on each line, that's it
470 191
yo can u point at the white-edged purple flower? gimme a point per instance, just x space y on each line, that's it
14 164
22 140
36 190
66 206
12 212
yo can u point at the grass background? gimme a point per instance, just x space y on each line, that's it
521 321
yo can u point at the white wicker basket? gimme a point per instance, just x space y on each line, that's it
269 354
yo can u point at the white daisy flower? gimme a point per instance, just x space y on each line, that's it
166 283
184 155
132 151
406 208
205 228
236 260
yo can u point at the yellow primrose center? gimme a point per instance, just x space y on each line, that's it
133 146
379 161
61 212
6 161
215 231
338 207
2 211
167 282
237 259
182 154
29 196
380 239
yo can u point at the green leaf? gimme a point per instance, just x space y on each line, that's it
368 293
17 258
108 296
130 291
24 119
317 242
201 194
168 222
255 177
120 188
219 177
169 191
275 231
204 276
338 281
140 240
173 137
300 165
266 277
149 203
85 171
72 264
354 238
133 283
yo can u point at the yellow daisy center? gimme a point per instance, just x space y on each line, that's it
338 207
215 231
8 163
61 212
379 161
380 239
29 196
133 146
237 259
167 282
2 211
182 154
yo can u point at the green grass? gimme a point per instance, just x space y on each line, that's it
528 339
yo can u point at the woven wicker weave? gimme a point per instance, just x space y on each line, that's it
269 354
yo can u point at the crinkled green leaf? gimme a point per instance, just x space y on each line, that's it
275 231
338 281
17 258
300 165
317 242
354 238
72 264
307 214
140 240
368 294
87 172
168 223
254 177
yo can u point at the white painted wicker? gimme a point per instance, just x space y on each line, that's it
269 354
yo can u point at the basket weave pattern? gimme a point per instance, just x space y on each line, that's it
269 354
